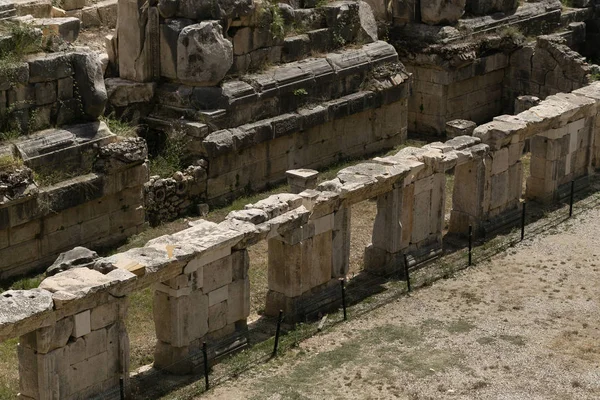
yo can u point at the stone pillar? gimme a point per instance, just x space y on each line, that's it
80 356
385 253
138 55
209 302
469 194
557 157
305 264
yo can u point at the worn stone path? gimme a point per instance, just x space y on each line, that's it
524 325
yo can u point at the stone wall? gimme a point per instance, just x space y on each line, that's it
545 68
168 198
440 94
200 275
96 209
52 89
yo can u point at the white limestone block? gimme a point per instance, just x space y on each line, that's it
82 324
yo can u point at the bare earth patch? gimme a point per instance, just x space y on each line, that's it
524 325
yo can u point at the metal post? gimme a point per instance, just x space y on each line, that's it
523 221
205 357
571 199
470 243
406 273
342 283
122 388
279 320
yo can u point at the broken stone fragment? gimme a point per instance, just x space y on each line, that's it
203 55
90 82
79 257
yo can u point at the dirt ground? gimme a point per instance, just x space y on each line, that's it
524 325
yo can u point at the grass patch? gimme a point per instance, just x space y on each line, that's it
119 127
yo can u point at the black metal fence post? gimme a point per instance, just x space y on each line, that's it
343 285
470 243
406 273
122 388
571 198
205 357
277 332
523 221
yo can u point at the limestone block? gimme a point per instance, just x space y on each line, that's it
95 343
323 224
138 43
515 181
65 88
459 127
46 339
104 315
500 161
367 31
499 192
88 372
90 17
285 266
421 218
90 82
203 55
218 295
180 320
438 203
515 151
81 324
169 34
107 11
320 265
66 27
217 274
123 93
238 301
301 179
387 229
442 12
207 257
407 216
217 316
341 243
69 5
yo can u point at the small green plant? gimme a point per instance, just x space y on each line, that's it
277 24
118 126
9 162
513 34
170 159
300 92
9 136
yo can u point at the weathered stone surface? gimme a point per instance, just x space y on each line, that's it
368 25
122 92
459 127
79 257
76 283
434 12
90 82
22 311
203 55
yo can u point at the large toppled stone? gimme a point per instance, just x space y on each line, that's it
90 82
203 55
79 257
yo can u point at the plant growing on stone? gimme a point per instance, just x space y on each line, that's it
118 126
277 26
170 158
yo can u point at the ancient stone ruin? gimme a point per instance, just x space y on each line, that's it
253 93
